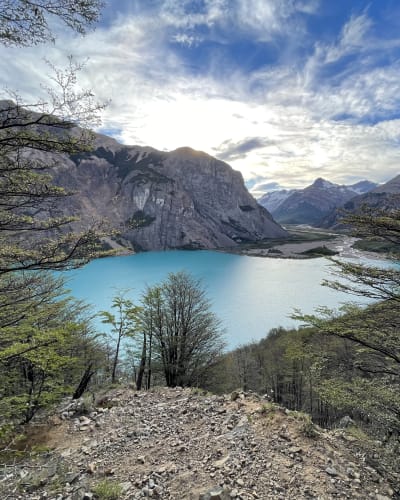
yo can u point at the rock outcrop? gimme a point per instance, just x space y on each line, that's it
159 200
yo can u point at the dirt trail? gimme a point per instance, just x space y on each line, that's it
178 444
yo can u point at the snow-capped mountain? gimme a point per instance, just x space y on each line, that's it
313 203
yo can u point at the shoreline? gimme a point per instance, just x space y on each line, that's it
336 245
340 246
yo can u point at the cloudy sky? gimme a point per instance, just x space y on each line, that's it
283 90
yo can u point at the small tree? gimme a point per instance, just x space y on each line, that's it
186 333
123 325
146 318
33 139
44 353
368 382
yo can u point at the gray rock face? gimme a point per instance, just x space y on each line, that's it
157 200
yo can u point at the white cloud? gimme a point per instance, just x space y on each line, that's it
352 38
287 110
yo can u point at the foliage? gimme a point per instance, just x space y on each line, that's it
140 219
43 353
374 245
123 325
107 490
368 382
187 335
319 252
28 195
26 22
45 338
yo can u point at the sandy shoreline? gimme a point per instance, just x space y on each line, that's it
342 245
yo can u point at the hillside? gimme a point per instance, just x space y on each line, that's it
178 444
158 200
313 203
386 196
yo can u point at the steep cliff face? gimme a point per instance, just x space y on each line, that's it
158 200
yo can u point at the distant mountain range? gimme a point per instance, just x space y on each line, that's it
384 196
312 204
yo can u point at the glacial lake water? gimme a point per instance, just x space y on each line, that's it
250 295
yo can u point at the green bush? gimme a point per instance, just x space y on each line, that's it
107 490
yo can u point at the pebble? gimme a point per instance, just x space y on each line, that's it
331 471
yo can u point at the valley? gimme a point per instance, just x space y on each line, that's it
199 250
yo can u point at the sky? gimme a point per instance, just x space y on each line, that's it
283 90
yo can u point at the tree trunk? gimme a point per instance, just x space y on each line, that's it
84 382
142 364
148 381
114 369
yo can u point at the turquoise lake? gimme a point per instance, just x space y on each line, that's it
250 295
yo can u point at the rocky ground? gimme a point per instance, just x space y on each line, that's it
180 444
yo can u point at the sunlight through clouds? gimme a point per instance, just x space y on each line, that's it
258 84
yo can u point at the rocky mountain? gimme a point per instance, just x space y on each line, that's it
363 187
179 444
384 196
158 200
313 203
273 200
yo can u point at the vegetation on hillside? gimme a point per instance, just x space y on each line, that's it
46 345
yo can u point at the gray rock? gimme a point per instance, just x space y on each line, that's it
234 395
126 486
158 491
71 477
215 494
84 420
331 471
345 422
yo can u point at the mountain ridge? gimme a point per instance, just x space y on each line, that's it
313 203
159 200
384 197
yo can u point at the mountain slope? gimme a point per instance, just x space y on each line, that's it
311 204
157 200
386 196
362 187
273 200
